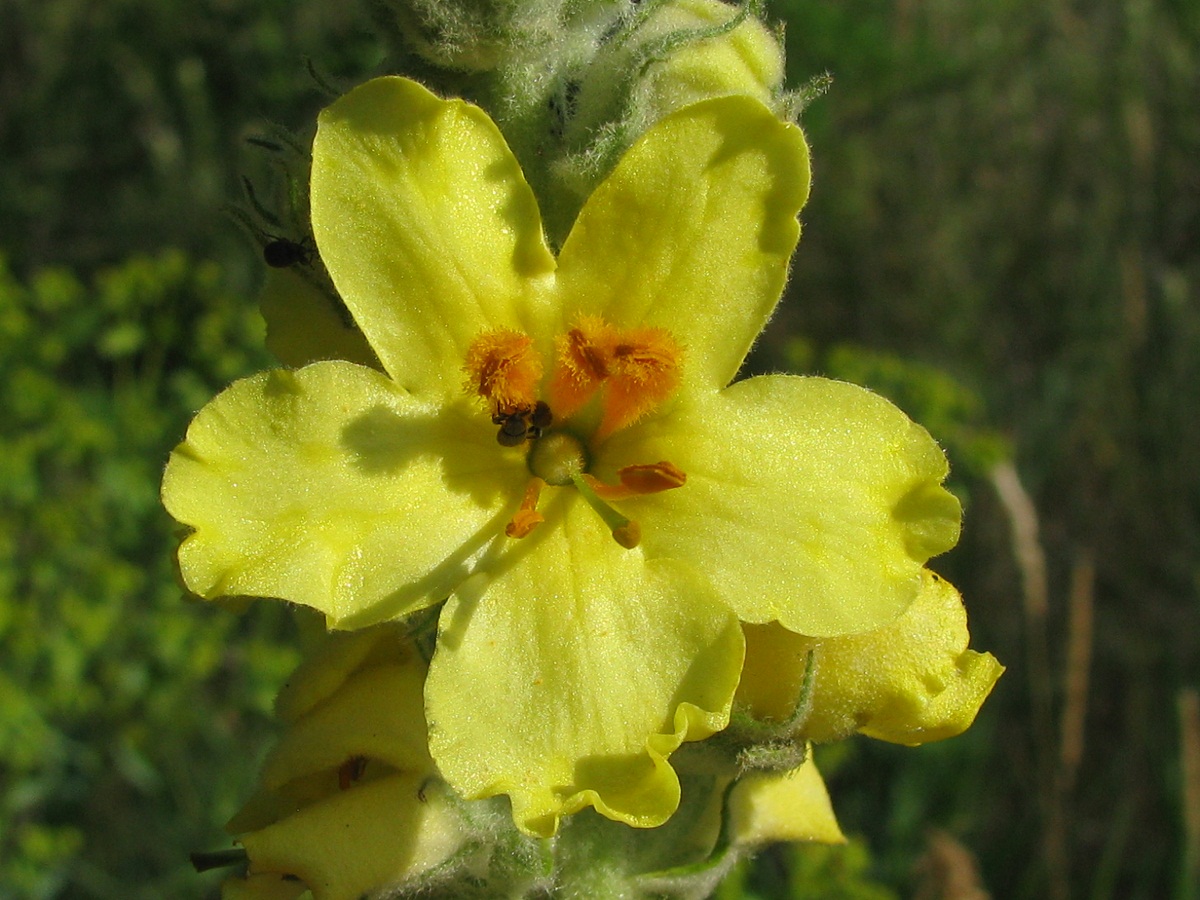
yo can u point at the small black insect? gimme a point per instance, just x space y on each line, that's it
522 424
513 429
282 253
541 418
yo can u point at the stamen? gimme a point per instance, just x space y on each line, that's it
581 364
638 369
527 517
625 532
644 373
649 478
504 369
652 478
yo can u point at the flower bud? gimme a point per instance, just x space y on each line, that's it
767 807
478 36
349 802
684 52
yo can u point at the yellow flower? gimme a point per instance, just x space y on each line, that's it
554 445
349 801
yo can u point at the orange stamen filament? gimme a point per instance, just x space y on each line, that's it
581 364
527 517
645 373
634 371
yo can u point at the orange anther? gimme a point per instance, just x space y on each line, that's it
652 477
527 517
638 369
644 373
504 369
581 364
523 523
649 478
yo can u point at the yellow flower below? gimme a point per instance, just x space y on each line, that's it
349 800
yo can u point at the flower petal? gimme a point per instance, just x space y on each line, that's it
568 679
426 225
910 682
379 714
340 654
366 721
333 488
305 325
692 232
358 841
783 806
808 501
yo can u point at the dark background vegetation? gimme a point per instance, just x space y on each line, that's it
1004 237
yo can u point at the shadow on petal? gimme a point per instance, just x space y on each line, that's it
449 575
499 559
381 441
736 140
519 211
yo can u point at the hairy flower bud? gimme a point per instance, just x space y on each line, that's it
679 53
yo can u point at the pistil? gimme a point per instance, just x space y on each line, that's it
625 531
557 458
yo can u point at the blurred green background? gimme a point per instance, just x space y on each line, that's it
1004 237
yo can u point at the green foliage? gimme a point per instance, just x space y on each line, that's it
833 873
1006 191
943 405
807 872
126 713
124 121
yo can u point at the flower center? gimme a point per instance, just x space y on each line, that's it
627 373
